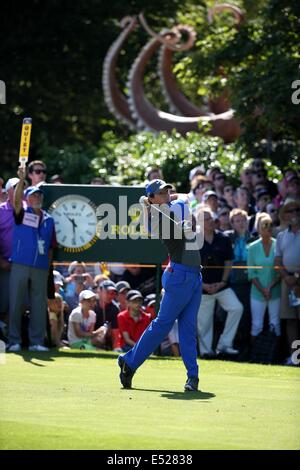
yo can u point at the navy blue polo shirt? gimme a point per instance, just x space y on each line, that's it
215 254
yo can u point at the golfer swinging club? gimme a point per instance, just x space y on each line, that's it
170 219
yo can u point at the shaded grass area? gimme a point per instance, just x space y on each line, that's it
73 400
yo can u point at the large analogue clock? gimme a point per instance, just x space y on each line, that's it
75 222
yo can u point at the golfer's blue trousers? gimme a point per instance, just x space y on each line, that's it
181 300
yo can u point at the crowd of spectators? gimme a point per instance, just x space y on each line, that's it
250 258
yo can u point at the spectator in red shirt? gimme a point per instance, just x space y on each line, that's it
133 321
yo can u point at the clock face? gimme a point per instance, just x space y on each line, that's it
75 222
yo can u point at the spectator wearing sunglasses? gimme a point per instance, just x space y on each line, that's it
265 288
37 172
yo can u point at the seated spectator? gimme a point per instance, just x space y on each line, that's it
123 288
216 257
82 320
149 305
132 322
265 288
99 279
78 273
73 290
170 345
56 319
107 310
58 283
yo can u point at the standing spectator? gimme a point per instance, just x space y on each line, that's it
81 332
288 263
239 282
56 179
123 288
246 178
37 172
200 184
6 235
132 322
223 219
265 288
97 181
293 186
154 173
228 195
219 183
210 199
216 255
242 200
33 240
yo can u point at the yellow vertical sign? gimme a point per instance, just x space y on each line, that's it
25 141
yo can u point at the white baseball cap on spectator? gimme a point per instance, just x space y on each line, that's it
58 278
11 183
86 295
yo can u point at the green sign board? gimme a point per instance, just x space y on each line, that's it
100 223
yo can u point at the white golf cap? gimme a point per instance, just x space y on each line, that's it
58 278
86 295
11 183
